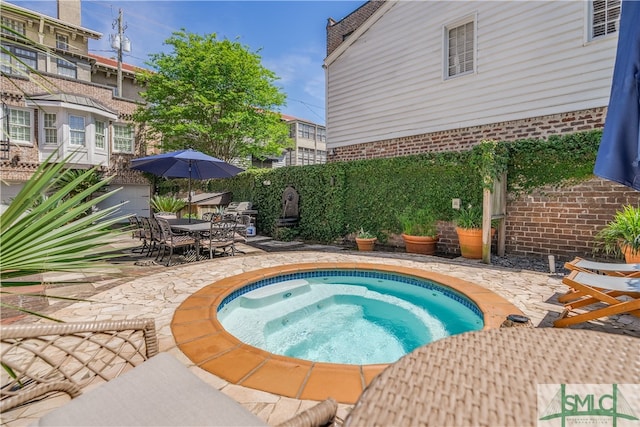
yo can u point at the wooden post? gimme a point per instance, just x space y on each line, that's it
486 226
494 206
500 187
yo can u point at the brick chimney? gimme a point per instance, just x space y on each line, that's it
69 12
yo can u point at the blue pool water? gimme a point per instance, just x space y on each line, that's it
346 317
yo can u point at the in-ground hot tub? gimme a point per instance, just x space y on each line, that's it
201 337
352 316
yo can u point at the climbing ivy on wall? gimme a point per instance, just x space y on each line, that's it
560 160
339 198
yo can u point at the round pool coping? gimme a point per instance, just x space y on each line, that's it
201 337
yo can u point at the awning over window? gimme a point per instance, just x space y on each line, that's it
72 102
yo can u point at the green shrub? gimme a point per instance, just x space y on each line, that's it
419 222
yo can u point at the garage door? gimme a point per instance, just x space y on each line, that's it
137 197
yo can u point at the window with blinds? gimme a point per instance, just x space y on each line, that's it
605 15
18 126
50 128
77 133
460 48
101 135
122 139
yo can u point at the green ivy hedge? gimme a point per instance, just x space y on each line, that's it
339 198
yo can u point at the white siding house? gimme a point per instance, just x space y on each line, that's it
418 67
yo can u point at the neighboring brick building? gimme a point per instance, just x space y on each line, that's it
69 104
413 77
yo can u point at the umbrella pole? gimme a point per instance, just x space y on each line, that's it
189 188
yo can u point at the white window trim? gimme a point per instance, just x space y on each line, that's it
588 28
445 45
5 116
133 138
84 130
65 41
43 132
70 71
95 135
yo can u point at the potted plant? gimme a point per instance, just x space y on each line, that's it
622 234
469 229
419 230
167 204
365 240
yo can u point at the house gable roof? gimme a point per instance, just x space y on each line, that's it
359 31
35 16
112 63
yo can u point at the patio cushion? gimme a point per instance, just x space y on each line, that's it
159 392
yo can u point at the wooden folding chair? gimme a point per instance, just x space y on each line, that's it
618 294
605 268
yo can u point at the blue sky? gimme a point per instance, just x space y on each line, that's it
290 35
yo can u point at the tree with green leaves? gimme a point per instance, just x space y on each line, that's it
213 96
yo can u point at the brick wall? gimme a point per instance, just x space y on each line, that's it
337 31
564 221
550 221
464 138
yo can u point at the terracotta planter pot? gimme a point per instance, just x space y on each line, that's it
424 245
470 240
629 256
365 244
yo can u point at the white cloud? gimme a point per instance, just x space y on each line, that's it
302 78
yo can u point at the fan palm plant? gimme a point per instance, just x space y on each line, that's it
53 234
622 234
167 204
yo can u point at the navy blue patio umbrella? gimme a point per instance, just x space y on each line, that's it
188 163
619 153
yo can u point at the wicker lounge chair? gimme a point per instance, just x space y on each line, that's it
589 291
143 387
66 357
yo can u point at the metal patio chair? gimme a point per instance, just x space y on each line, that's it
172 241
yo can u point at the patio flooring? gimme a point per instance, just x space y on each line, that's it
139 289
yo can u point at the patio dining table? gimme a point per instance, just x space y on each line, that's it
195 228
505 377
